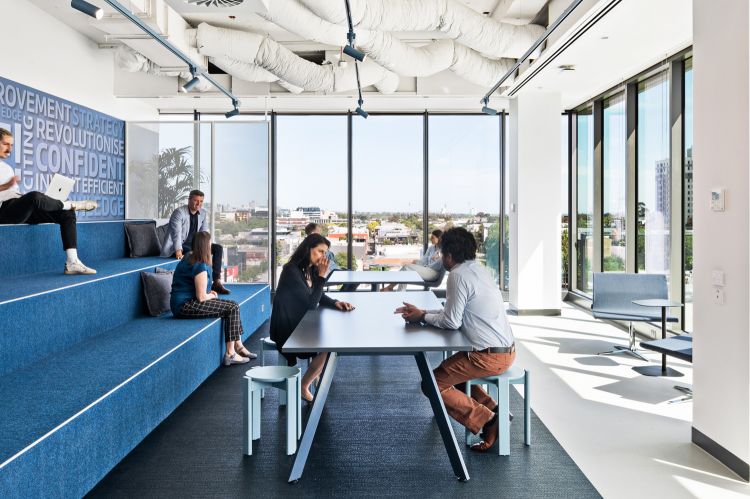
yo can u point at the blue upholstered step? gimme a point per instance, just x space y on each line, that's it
67 419
52 311
38 248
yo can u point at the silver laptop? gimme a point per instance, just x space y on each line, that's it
60 187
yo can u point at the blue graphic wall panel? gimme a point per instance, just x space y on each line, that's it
53 135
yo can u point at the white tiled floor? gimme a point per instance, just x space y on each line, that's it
616 424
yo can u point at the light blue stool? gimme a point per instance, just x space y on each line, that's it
501 384
286 379
268 344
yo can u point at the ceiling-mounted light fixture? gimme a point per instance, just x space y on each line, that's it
87 8
193 82
361 111
566 67
235 111
350 36
488 110
357 56
354 53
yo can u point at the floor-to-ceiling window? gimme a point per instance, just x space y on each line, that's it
241 200
564 222
311 182
654 176
585 201
614 184
464 180
687 194
506 203
387 190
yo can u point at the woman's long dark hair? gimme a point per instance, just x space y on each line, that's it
201 248
301 256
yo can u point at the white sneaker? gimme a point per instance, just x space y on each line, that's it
234 359
86 205
75 268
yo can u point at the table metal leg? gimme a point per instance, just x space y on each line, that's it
313 418
441 416
662 370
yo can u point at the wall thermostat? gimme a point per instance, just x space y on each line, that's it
717 199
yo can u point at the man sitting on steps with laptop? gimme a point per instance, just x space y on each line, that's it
35 207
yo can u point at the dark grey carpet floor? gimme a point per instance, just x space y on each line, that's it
377 438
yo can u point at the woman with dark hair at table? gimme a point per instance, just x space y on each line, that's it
300 289
192 297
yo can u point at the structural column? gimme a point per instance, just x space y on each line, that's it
535 178
721 248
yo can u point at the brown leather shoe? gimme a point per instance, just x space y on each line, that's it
489 436
219 288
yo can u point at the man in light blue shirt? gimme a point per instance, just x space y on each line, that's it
473 306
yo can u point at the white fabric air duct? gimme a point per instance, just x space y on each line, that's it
387 50
132 61
251 72
451 17
264 52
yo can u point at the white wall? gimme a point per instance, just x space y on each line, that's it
535 179
43 53
722 159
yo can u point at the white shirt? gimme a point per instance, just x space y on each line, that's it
7 173
474 305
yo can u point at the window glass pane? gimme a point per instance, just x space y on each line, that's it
162 169
654 176
688 196
506 203
241 195
614 185
311 183
387 188
564 231
464 180
585 200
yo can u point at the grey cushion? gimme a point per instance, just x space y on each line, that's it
142 239
157 288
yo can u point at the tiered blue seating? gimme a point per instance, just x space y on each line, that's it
85 374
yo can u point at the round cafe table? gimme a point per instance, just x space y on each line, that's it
662 370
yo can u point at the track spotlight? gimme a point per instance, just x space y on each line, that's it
235 111
361 111
354 53
189 85
87 8
488 110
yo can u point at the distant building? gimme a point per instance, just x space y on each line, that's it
336 233
394 231
242 215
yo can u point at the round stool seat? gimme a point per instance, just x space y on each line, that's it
272 374
514 372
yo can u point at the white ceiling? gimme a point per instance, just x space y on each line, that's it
639 33
633 36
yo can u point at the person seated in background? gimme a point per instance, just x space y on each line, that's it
313 228
300 289
184 223
474 306
192 297
429 266
37 208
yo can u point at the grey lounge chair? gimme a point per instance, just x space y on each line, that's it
613 297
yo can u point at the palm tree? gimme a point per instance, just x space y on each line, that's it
175 179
